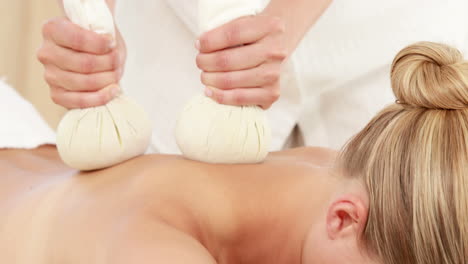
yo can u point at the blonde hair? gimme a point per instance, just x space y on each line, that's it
413 159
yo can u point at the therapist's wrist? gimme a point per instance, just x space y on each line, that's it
111 5
298 17
290 35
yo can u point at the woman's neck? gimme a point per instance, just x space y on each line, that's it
273 211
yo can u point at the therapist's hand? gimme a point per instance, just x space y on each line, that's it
241 61
82 68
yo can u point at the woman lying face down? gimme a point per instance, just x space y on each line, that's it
396 193
160 208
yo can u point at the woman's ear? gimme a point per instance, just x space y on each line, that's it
347 217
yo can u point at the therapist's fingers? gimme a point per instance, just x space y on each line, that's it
78 82
264 75
79 62
245 96
73 100
245 30
234 59
69 35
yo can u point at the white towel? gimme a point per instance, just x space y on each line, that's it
21 126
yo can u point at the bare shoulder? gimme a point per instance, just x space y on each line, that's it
44 158
158 243
316 155
319 151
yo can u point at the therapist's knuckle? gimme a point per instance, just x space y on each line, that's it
99 44
88 64
77 40
271 76
49 27
222 61
115 77
102 97
239 97
274 94
42 55
266 106
226 81
81 101
219 96
46 29
50 77
90 82
205 42
200 61
277 53
204 78
115 60
56 97
232 34
277 25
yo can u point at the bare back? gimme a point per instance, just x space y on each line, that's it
152 208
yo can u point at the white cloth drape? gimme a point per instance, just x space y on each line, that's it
21 126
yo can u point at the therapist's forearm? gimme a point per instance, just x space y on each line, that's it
111 4
298 15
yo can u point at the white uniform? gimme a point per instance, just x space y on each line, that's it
335 82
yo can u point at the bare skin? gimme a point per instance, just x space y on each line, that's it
161 209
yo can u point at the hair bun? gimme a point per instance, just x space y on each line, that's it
430 75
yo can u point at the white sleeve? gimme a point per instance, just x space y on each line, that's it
21 126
